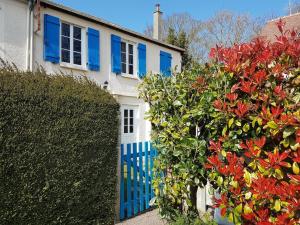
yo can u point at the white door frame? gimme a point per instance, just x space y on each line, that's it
134 137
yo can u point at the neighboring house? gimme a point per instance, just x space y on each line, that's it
270 30
37 33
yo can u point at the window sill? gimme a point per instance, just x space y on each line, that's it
73 67
135 77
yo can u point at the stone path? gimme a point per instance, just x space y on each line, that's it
148 218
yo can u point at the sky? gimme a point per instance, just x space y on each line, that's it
137 14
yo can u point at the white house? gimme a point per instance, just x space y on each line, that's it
37 33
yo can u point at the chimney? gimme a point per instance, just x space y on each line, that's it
157 23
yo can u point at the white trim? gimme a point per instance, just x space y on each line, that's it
130 137
127 75
71 65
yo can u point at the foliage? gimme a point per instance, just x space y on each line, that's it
174 116
255 157
58 151
181 41
193 219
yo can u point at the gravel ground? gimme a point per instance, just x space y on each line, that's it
148 218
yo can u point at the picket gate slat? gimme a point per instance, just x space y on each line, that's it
151 170
122 199
141 177
147 174
135 186
128 163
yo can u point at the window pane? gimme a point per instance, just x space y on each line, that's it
123 46
77 58
65 30
125 129
77 46
126 121
130 68
130 59
125 113
77 33
123 57
65 56
130 47
131 129
131 113
131 121
123 68
65 43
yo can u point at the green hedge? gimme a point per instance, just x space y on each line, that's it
58 150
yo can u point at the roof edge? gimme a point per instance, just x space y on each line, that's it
60 7
283 17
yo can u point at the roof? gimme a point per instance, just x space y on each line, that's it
270 30
62 8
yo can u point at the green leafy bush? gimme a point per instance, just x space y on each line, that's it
58 150
176 111
193 219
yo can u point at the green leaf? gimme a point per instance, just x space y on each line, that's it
247 209
246 127
296 168
230 122
238 123
277 205
220 180
288 131
239 208
272 125
224 131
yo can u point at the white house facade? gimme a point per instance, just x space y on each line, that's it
37 33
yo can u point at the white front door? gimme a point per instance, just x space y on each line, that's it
129 129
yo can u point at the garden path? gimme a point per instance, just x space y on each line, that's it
149 218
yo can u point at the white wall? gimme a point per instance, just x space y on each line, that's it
13 31
13 42
117 84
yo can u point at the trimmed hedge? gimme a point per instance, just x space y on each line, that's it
58 150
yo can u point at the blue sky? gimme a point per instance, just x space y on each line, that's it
136 14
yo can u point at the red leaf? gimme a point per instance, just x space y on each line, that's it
223 211
260 142
242 109
260 76
280 24
232 96
247 87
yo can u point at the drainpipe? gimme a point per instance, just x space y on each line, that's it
28 36
29 61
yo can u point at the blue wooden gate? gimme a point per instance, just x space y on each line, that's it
136 175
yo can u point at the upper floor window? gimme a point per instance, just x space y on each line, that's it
71 44
127 58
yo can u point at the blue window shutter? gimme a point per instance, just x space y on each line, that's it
169 64
116 54
142 60
93 49
165 63
51 38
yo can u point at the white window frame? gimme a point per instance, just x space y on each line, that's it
134 75
71 65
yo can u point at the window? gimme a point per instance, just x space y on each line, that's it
71 44
128 121
127 59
